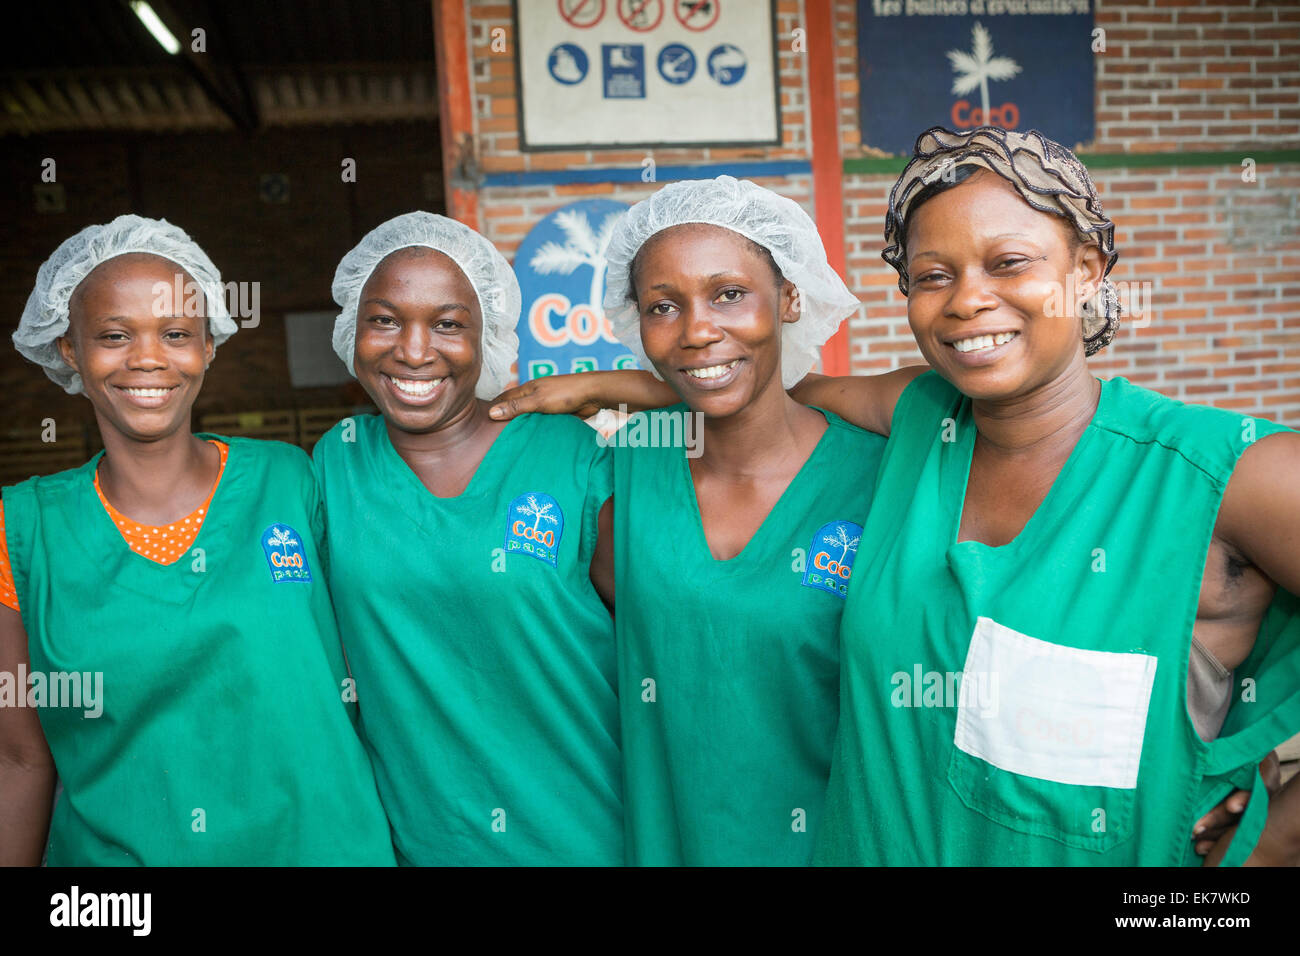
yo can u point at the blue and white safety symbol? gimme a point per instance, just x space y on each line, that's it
727 64
676 63
624 65
568 64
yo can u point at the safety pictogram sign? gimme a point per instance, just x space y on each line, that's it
697 15
581 13
641 15
618 73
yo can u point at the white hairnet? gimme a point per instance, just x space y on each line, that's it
488 272
778 224
45 317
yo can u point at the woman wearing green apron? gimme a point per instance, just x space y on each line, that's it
463 569
1028 607
737 518
182 676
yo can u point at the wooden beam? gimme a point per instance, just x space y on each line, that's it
827 168
456 110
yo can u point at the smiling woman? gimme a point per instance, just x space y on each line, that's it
732 555
115 569
469 586
1104 556
731 564
156 392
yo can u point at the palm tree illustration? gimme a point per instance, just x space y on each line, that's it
540 510
979 66
281 538
841 539
582 247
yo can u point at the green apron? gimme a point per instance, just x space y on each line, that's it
224 737
484 657
1027 704
729 670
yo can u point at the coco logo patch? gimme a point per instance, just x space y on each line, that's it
284 554
534 524
833 549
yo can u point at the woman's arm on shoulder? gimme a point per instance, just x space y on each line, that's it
584 394
864 400
26 767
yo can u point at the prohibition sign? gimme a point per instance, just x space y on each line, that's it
697 15
581 13
641 15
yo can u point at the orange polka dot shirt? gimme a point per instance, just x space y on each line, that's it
164 544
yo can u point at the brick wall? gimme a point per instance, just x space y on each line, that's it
1181 75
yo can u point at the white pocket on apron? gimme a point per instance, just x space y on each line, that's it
1059 713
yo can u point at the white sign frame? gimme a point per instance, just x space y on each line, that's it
556 116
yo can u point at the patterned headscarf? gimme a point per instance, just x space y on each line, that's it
1046 175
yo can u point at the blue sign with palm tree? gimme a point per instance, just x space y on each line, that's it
561 270
962 70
